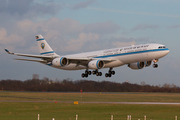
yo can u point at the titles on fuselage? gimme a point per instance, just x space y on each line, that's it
128 49
136 47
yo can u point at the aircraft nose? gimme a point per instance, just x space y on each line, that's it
167 51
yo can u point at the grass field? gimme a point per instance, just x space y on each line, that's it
67 111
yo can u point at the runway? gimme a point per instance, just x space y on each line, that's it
91 102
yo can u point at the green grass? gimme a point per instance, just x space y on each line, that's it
68 111
62 111
105 97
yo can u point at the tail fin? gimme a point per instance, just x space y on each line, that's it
44 47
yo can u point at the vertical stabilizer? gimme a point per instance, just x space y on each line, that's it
44 47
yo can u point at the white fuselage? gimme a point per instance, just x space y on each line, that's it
136 56
122 56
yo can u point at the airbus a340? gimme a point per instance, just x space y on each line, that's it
135 56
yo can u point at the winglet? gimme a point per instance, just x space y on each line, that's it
8 51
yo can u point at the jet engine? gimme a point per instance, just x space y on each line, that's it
147 63
59 62
96 64
136 66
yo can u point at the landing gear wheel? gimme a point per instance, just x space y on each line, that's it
89 72
86 72
106 75
86 75
100 73
94 72
155 65
113 72
83 75
110 73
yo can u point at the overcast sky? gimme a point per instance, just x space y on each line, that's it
75 26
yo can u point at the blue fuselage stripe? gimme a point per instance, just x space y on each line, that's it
130 53
47 52
40 39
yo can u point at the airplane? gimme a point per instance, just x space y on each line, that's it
135 57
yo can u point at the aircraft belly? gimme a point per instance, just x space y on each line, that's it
157 55
148 56
116 63
136 58
73 67
133 58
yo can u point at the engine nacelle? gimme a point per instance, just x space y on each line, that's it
59 62
136 66
96 64
147 63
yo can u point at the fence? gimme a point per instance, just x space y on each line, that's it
128 117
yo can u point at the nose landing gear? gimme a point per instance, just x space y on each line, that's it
155 65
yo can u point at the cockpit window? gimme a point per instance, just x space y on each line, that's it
160 47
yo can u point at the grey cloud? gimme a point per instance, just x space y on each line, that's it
15 6
145 26
82 4
22 7
63 33
3 5
45 9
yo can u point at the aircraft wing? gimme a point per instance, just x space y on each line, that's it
29 55
46 59
85 61
89 59
41 61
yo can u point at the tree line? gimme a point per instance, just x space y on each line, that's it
67 85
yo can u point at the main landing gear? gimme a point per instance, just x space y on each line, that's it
86 73
95 72
155 65
110 73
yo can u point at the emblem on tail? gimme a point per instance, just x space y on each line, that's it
42 45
